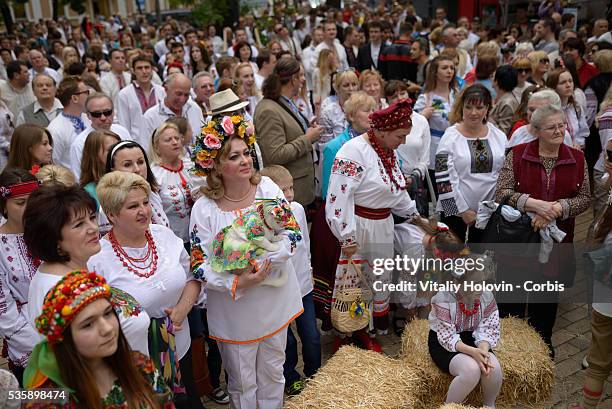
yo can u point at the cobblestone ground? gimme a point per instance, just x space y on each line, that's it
571 340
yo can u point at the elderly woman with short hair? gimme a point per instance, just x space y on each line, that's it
524 133
548 178
149 261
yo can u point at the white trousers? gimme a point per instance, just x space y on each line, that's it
255 372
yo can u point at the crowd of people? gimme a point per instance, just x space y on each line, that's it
126 150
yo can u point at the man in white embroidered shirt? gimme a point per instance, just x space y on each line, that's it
118 77
72 93
176 103
137 98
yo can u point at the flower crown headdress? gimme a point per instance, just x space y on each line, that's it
64 301
214 135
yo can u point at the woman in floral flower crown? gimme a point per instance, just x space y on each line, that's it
86 354
150 262
18 267
365 186
246 316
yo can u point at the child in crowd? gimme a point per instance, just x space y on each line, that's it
418 239
306 323
464 326
396 90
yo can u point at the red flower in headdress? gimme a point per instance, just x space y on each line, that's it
34 170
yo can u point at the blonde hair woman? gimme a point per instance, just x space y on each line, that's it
540 65
56 174
245 74
149 262
321 77
177 185
332 117
372 83
246 316
69 55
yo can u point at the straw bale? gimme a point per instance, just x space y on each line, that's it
458 406
355 378
527 368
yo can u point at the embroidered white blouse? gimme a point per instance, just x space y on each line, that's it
359 178
158 216
160 291
176 196
332 120
467 169
414 154
135 328
439 119
242 316
447 320
17 267
576 124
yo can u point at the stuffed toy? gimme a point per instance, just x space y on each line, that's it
253 234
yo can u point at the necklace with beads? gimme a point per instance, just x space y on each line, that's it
388 159
142 267
469 311
229 199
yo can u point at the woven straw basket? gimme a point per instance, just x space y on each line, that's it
352 308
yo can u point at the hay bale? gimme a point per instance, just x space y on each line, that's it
458 406
527 369
355 378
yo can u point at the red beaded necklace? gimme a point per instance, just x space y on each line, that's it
179 170
469 312
388 159
130 262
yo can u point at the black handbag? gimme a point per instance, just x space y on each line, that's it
418 193
515 238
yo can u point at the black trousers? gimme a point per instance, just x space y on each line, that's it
190 399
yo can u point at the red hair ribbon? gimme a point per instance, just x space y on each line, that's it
18 189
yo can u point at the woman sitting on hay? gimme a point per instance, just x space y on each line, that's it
464 326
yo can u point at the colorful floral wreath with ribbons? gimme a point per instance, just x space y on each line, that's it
212 137
64 301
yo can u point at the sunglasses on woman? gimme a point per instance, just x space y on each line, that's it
524 70
544 61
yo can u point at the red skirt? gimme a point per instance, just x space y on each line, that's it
325 252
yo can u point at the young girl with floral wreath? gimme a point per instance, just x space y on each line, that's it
86 355
463 327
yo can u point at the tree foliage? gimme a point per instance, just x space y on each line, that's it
206 12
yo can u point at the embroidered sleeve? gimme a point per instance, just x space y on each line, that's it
505 189
442 324
489 327
345 178
14 326
578 204
419 105
450 201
